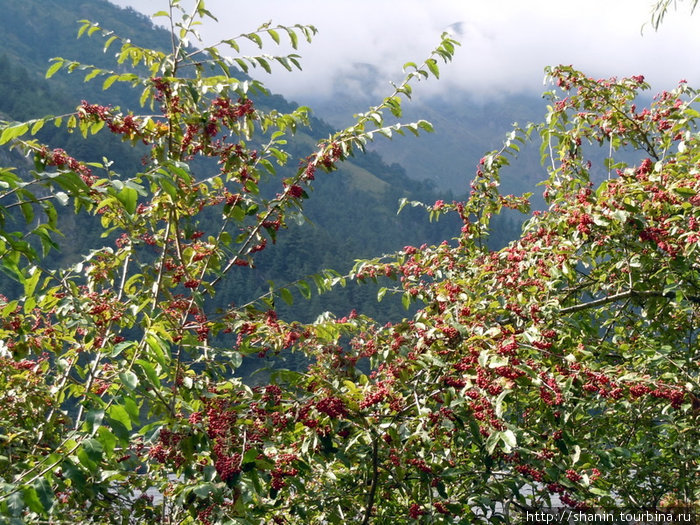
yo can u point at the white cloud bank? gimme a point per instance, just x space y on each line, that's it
505 43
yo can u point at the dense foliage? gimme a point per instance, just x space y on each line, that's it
334 231
561 368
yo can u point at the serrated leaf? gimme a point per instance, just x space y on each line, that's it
44 492
264 64
684 191
150 371
94 418
93 448
92 74
83 28
30 284
241 64
144 96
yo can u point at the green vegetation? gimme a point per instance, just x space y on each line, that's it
559 368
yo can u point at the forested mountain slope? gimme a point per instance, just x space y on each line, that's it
351 213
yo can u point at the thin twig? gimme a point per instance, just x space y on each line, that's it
375 475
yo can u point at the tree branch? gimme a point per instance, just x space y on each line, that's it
375 475
623 295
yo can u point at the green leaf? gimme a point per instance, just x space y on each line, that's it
92 74
93 448
94 418
71 472
294 39
16 503
203 490
305 289
109 42
492 441
30 284
433 67
508 437
253 37
286 296
90 454
150 372
128 197
684 191
109 81
119 414
264 64
31 500
27 211
159 349
13 132
425 125
54 67
120 347
38 124
84 27
129 379
107 438
45 493
274 35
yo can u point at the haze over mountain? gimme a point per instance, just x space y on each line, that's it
494 80
505 43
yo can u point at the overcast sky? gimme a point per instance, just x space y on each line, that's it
505 43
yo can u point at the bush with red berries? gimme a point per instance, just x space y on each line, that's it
560 369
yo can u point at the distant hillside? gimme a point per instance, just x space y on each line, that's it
464 130
34 31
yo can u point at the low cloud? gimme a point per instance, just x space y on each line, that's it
506 44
